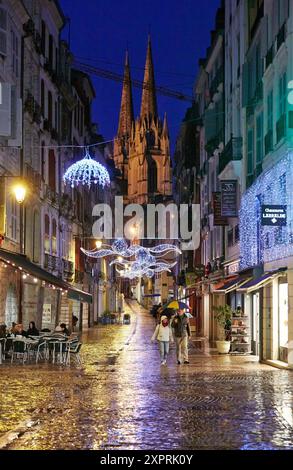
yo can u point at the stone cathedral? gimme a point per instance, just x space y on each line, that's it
141 148
142 154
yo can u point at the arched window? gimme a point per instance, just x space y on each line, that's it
152 176
52 170
47 234
54 237
50 109
43 98
36 237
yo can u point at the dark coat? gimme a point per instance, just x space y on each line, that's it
181 326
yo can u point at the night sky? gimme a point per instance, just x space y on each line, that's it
180 32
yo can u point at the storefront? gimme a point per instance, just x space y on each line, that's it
263 297
29 293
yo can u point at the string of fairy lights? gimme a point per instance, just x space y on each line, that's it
26 276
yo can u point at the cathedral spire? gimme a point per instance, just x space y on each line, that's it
126 109
149 99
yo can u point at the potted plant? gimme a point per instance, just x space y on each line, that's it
223 316
106 319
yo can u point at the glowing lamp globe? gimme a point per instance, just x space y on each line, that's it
87 172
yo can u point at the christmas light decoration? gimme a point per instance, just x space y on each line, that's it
86 172
120 247
260 243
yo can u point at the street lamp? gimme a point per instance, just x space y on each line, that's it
20 192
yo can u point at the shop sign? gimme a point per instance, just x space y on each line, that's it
190 278
275 216
229 198
47 313
233 268
217 210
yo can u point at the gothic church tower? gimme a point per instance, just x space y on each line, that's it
141 148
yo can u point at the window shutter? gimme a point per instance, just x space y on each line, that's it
2 206
3 31
264 36
17 124
245 84
5 110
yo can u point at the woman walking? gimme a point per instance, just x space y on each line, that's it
163 333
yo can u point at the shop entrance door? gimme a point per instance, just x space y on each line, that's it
255 324
283 322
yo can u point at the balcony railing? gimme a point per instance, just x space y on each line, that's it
78 277
68 270
52 263
281 127
269 141
231 152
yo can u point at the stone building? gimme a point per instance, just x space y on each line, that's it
45 120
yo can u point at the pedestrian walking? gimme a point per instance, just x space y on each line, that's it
163 333
181 327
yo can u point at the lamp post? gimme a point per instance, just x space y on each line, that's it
20 192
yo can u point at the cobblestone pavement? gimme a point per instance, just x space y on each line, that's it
123 399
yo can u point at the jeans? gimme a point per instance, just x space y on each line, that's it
164 349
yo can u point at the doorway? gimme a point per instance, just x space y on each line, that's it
11 306
283 322
255 324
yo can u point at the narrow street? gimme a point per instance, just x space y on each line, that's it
123 399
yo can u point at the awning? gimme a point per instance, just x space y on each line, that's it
261 281
231 285
23 262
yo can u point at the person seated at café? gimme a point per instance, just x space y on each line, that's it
19 331
64 329
12 329
3 332
32 330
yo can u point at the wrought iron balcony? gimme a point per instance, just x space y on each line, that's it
52 263
231 152
78 277
68 270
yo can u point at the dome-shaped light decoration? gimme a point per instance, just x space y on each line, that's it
87 172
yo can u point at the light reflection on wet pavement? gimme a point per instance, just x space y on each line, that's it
123 399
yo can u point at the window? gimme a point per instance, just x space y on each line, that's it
282 94
50 108
270 111
3 31
56 115
43 98
54 237
13 218
36 237
47 234
50 51
15 54
52 170
43 38
250 152
152 176
259 138
43 162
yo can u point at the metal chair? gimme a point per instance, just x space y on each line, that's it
2 349
74 348
19 348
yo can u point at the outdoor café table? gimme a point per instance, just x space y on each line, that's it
56 342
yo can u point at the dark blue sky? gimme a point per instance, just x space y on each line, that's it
180 32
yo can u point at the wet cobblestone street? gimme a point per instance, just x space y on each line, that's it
121 398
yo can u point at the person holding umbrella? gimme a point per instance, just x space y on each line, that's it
182 333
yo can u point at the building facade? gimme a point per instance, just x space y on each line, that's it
45 125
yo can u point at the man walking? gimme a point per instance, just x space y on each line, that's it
181 327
